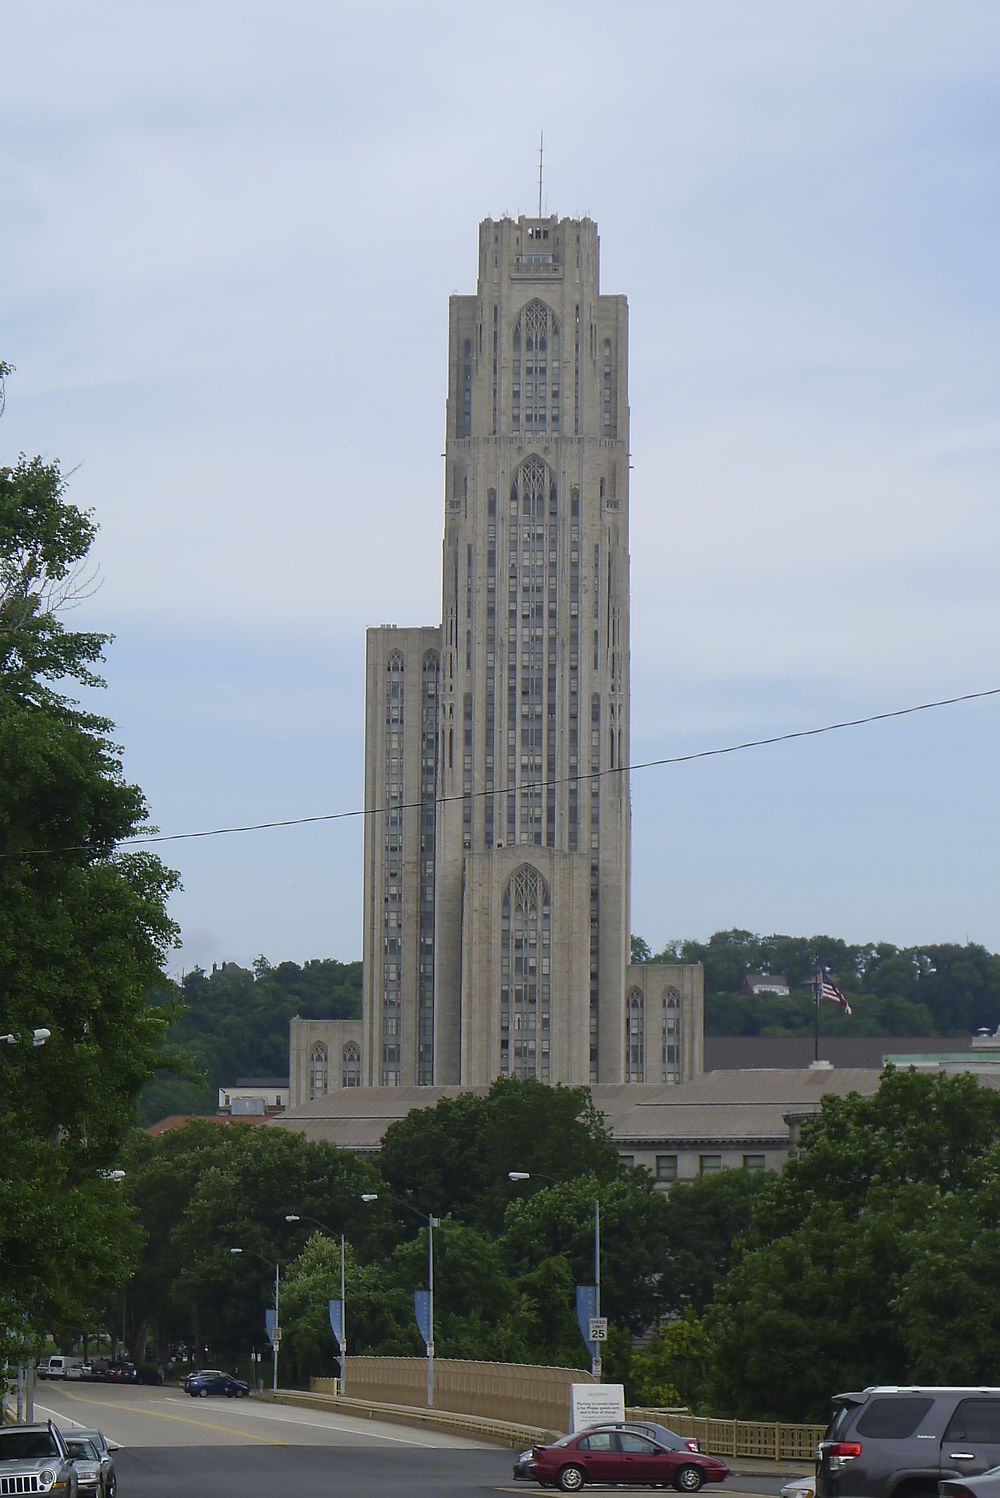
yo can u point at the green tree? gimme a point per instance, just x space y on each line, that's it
83 931
845 1240
702 1221
453 1159
241 1201
670 1368
558 1221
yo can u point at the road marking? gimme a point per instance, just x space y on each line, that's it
226 1430
359 1427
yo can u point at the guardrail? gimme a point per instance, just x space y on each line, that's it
741 1438
499 1432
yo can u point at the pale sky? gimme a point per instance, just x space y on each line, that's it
230 234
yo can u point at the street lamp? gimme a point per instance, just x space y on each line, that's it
276 1332
526 1175
342 1338
432 1223
38 1037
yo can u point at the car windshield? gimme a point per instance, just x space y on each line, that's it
82 1449
26 1445
95 1437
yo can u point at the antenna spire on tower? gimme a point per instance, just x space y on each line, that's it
541 145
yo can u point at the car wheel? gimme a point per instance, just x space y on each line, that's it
230 1393
688 1480
242 1393
571 1479
202 1393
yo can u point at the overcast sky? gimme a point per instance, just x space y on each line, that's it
230 231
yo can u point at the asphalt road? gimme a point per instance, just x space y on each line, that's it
178 1447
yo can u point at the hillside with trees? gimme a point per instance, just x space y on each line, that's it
235 1020
235 1024
934 989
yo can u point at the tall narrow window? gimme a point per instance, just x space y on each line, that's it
319 1070
392 907
350 1067
635 1065
671 1035
465 419
525 966
535 369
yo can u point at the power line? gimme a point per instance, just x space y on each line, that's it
646 764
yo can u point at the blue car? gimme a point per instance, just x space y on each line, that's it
214 1381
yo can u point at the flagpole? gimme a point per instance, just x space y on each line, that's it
818 987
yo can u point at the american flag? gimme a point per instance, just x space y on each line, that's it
829 990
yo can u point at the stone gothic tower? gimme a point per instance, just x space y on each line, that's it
496 895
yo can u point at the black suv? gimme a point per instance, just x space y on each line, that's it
894 1442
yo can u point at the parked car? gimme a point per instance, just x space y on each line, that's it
95 1470
661 1433
889 1441
651 1428
121 1373
60 1367
35 1459
985 1485
614 1454
42 1368
213 1381
799 1487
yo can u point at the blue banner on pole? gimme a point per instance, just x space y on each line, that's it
336 1309
270 1319
586 1307
422 1311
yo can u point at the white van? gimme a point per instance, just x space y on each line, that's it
59 1367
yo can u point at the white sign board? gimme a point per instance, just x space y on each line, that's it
598 1329
596 1404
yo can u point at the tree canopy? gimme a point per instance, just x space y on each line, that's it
83 932
234 1023
852 1251
933 989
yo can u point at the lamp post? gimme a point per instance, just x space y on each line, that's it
526 1175
38 1037
342 1339
432 1223
276 1333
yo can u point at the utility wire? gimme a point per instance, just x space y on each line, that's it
646 764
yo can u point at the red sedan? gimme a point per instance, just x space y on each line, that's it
616 1455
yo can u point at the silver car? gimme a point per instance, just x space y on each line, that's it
105 1452
983 1485
34 1459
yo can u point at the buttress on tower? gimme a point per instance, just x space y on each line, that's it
497 840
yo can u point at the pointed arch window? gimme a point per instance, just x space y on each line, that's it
350 1065
635 1039
525 966
319 1070
671 1035
535 368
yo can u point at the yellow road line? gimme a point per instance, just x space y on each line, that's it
227 1430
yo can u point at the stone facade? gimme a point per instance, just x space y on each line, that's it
497 840
323 1055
